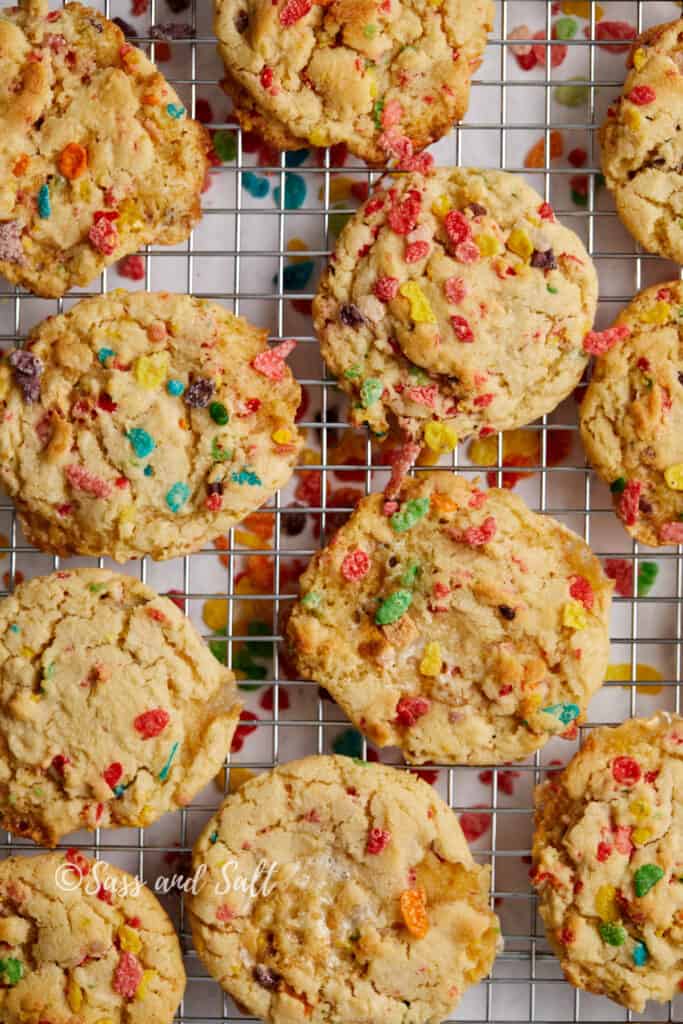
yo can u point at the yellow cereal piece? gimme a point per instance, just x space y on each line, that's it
370 72
129 215
74 995
632 118
640 836
215 613
104 1020
441 205
431 659
281 436
127 514
658 313
488 245
440 437
318 137
582 9
574 615
147 977
483 451
640 809
606 903
420 309
520 243
129 940
297 245
531 703
340 188
151 371
639 58
28 653
621 673
674 476
5 379
236 779
309 457
248 540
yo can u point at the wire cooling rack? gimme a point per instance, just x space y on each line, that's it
240 255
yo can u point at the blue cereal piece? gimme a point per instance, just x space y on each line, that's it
175 110
175 387
296 157
255 185
142 442
566 713
296 276
44 208
640 955
163 774
246 476
177 496
104 354
295 192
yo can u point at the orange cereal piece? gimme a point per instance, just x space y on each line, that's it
414 911
20 165
536 155
73 161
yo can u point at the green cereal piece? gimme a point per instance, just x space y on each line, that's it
225 145
565 28
259 648
371 391
612 934
219 454
410 575
393 607
312 599
352 372
618 486
377 114
349 743
12 969
409 514
571 94
646 877
647 576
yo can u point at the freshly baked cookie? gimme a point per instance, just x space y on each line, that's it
607 862
632 414
97 154
385 77
456 303
454 623
112 711
642 142
367 905
84 941
144 424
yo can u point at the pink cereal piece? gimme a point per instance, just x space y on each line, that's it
421 163
581 590
475 536
622 839
416 251
403 215
386 288
225 913
396 145
423 395
355 565
271 362
467 252
389 507
520 32
391 114
671 533
596 343
457 227
455 290
477 499
462 329
409 709
628 510
483 401
378 840
400 464
127 976
103 234
82 480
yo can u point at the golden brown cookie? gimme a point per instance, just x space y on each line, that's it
97 154
366 904
454 623
385 77
144 423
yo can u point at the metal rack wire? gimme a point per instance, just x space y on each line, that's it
509 110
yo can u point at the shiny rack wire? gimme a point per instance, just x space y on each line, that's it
239 255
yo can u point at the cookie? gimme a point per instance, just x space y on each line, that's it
366 905
112 711
642 143
632 414
455 303
607 862
84 941
97 154
454 623
384 77
144 424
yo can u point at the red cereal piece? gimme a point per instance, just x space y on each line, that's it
203 110
386 288
225 913
455 290
475 536
628 508
82 480
457 227
482 401
463 331
577 157
581 590
421 163
391 114
409 709
526 61
213 502
626 770
621 571
596 343
243 730
642 95
266 77
402 216
103 234
474 824
558 51
467 252
355 566
293 11
671 533
152 723
271 362
373 205
606 31
127 976
78 861
546 212
132 267
416 251
113 774
604 852
378 840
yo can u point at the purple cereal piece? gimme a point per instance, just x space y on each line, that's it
199 393
172 30
11 248
351 316
266 977
28 370
543 260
